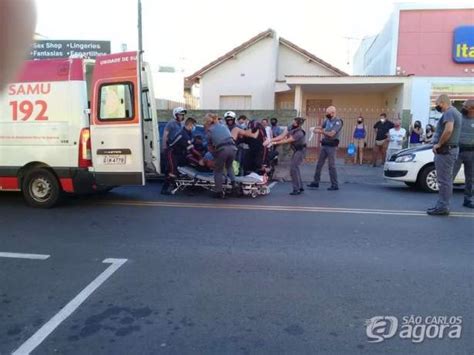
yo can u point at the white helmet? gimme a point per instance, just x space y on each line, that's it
179 111
230 114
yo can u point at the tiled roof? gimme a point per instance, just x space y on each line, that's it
311 56
230 54
268 33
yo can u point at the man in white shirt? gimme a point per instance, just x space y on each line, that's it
268 128
396 138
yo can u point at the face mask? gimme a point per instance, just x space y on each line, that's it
438 108
382 119
328 116
274 124
359 121
464 111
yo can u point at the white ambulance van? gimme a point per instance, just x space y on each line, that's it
78 126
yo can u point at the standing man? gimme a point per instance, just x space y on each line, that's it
224 152
331 129
276 130
268 128
446 140
172 128
381 138
396 138
466 151
296 137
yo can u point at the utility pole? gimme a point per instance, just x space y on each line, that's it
140 29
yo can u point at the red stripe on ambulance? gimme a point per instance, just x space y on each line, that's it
9 183
67 184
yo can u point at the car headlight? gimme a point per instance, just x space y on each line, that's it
405 158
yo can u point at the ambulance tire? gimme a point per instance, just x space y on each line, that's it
41 188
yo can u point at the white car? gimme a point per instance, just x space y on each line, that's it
415 167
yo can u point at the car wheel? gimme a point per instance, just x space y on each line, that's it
41 188
428 180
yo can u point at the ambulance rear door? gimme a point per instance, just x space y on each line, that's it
116 122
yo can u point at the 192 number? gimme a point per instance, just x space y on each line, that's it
24 110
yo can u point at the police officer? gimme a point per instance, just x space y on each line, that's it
224 152
446 150
466 151
296 137
172 128
330 130
182 147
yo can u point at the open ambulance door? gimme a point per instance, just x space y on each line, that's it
116 121
151 135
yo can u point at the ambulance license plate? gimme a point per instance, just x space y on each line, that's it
115 159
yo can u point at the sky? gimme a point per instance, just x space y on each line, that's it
188 34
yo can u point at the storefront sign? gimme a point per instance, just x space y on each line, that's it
463 44
49 49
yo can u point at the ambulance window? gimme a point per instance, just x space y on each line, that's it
116 102
146 106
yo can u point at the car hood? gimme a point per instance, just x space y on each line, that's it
415 150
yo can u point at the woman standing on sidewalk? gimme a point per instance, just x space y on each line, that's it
359 135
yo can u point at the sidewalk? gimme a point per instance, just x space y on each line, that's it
347 173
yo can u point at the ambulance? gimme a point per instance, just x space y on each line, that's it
75 126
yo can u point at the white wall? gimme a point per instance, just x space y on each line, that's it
378 56
251 73
293 63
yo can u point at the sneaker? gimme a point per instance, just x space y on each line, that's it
333 188
313 185
468 204
294 193
301 190
438 212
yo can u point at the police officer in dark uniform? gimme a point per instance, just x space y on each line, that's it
224 152
172 128
178 151
296 137
466 151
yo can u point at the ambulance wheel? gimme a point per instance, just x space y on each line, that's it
41 188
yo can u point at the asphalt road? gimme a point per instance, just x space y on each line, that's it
274 275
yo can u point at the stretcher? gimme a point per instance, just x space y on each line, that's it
252 185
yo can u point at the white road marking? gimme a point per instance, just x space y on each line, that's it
37 338
24 256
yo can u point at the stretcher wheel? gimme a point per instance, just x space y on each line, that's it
254 194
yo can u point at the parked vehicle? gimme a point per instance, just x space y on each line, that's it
78 126
415 167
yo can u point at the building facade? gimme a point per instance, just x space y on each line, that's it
253 75
432 45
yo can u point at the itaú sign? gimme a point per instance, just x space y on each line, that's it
463 44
